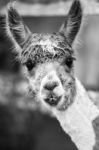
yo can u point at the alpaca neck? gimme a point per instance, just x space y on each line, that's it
77 119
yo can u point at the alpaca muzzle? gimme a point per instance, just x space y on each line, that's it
52 99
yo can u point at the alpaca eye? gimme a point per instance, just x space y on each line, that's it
30 65
69 62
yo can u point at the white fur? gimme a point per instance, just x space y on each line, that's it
77 119
48 45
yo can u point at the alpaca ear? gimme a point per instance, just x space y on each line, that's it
71 26
16 29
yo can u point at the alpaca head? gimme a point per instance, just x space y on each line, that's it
47 59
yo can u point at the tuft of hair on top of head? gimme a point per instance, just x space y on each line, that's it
16 29
72 24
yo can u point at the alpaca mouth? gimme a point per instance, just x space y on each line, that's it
52 99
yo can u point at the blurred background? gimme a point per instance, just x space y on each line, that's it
24 127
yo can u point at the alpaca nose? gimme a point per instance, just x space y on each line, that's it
51 86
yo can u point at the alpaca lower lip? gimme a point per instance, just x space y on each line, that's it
53 101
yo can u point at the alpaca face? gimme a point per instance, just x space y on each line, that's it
47 59
48 63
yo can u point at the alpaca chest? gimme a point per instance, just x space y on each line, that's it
81 121
80 129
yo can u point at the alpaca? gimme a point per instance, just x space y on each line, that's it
47 62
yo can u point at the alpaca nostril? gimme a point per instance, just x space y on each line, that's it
51 86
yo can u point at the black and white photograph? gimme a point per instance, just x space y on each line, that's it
49 74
